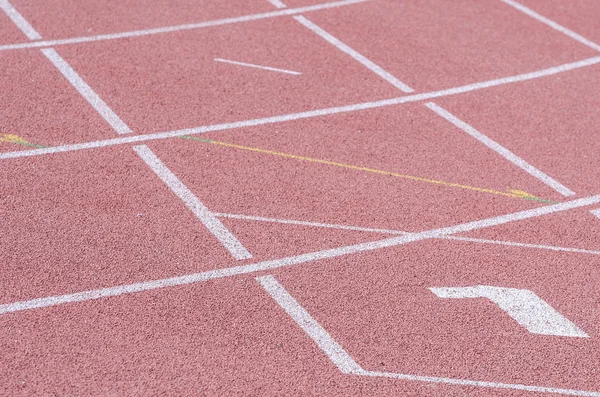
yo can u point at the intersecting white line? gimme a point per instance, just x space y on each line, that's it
277 3
18 20
251 65
552 24
176 28
346 364
502 151
304 115
354 54
214 226
390 231
297 259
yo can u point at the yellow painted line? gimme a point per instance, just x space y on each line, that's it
511 193
11 138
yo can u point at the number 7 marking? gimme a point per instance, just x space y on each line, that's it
524 306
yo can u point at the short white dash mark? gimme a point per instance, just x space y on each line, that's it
251 65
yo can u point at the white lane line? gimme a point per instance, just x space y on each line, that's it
277 3
86 91
346 364
313 329
354 54
229 241
478 383
502 151
18 20
294 260
552 24
177 28
251 65
304 115
390 231
522 305
596 213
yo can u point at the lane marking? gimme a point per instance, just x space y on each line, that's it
86 91
522 305
513 193
277 3
294 260
177 28
306 114
552 24
596 213
346 364
313 329
11 138
502 151
354 54
214 226
389 231
19 20
251 65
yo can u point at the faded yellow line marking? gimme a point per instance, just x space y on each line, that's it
511 193
11 138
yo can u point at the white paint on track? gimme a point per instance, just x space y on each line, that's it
86 91
502 151
522 305
251 65
19 20
277 3
305 115
354 54
225 237
177 28
313 329
294 260
552 24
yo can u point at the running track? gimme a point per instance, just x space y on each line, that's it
300 197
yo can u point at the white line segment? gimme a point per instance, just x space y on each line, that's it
502 151
229 241
251 65
277 3
390 231
522 305
313 329
294 260
596 213
552 24
177 28
86 91
19 20
305 115
354 54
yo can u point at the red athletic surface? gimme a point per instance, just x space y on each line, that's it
99 218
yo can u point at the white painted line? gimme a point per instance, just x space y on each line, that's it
237 250
552 24
177 28
251 65
303 115
277 3
477 383
389 231
313 329
86 91
502 151
294 260
522 305
596 213
354 54
18 20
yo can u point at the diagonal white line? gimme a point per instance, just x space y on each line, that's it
277 3
225 237
18 20
552 24
177 28
86 91
502 151
251 65
294 260
313 329
305 115
354 54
